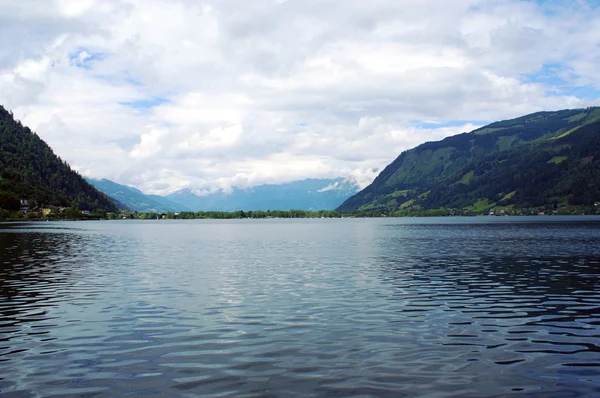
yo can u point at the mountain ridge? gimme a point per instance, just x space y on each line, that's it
533 160
307 194
133 198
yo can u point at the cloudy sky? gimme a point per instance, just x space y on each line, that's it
162 94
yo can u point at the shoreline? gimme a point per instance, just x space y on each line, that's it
479 216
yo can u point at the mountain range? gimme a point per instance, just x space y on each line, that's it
134 199
543 159
309 194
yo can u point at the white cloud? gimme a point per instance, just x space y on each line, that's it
149 145
164 94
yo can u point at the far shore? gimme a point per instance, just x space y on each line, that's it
40 220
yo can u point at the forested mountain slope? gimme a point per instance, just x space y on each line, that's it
30 169
542 159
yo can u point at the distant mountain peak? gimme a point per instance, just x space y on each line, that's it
307 194
344 184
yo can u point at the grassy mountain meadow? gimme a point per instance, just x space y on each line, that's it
29 169
545 159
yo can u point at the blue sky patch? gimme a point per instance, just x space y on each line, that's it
145 103
553 74
132 81
558 7
85 59
560 81
452 123
550 7
586 92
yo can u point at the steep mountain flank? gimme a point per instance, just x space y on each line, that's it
542 159
29 169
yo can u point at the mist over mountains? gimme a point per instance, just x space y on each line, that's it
308 194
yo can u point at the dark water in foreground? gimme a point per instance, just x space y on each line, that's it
355 307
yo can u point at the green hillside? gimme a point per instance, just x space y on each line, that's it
542 159
135 199
30 169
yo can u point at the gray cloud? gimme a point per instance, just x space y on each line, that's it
164 94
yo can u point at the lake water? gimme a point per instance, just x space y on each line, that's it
431 307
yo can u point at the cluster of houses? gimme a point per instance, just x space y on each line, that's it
502 212
507 211
44 210
131 216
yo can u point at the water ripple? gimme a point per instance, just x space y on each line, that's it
304 308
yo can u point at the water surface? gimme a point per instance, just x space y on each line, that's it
435 307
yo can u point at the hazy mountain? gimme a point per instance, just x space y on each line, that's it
30 169
315 194
135 199
542 159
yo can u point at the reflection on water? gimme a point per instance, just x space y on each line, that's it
427 307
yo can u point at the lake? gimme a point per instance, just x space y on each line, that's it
428 307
